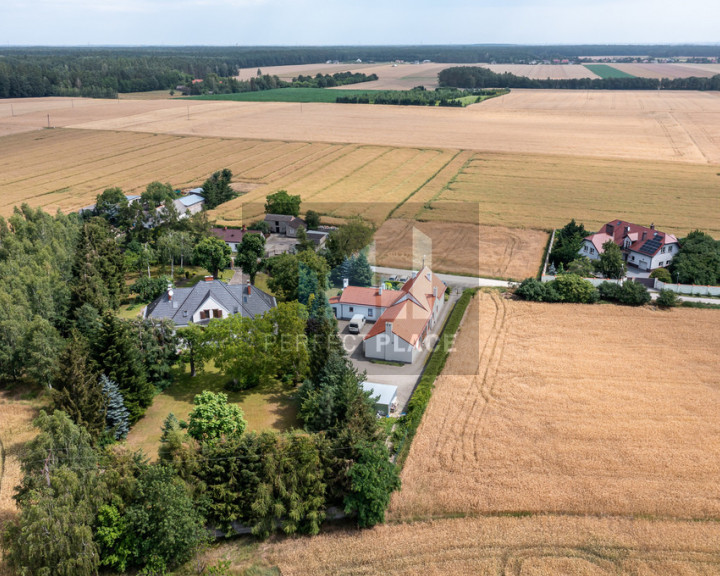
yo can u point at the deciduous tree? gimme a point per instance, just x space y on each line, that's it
212 254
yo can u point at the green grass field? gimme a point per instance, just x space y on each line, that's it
605 71
265 408
284 95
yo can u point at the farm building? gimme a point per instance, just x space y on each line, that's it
207 300
384 396
189 205
403 318
643 248
232 236
284 224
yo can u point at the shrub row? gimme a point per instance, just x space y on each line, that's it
408 424
573 288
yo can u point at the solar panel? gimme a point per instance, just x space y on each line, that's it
651 246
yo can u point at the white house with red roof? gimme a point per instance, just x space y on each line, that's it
403 318
644 248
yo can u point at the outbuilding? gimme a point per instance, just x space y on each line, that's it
384 395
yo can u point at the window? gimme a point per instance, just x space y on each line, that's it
217 313
669 248
185 313
204 314
585 247
370 313
663 250
351 309
632 258
592 250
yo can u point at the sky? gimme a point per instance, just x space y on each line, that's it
351 22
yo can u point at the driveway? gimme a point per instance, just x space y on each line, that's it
405 376
278 244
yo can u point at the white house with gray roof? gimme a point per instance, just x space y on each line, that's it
207 300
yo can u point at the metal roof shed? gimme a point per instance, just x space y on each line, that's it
384 396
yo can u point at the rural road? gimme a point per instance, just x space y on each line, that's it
449 279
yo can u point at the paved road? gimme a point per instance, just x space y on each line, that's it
449 279
654 294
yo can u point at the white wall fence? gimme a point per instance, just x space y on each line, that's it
689 289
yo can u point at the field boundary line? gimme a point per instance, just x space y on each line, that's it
435 197
430 179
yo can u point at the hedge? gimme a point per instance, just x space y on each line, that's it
408 424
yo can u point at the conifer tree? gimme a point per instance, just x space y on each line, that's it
116 353
117 416
76 390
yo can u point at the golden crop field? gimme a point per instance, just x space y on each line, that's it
463 248
650 125
601 410
526 190
560 439
545 545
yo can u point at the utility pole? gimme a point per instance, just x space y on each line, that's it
188 111
48 120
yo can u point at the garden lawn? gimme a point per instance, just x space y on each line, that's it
265 408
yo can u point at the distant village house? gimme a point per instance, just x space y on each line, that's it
643 248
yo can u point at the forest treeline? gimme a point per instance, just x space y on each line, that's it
472 77
104 72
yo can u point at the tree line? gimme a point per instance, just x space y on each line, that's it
105 72
419 96
472 77
212 83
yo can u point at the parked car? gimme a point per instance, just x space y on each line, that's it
356 324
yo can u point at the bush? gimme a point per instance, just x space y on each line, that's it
572 288
629 293
535 291
610 291
667 299
634 294
661 274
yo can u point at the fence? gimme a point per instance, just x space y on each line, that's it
689 289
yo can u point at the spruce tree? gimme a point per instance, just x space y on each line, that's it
76 390
98 269
117 416
116 353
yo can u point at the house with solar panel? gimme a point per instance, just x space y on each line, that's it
643 248
207 300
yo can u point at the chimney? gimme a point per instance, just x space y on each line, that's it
434 291
644 235
388 328
380 289
209 278
170 292
346 283
627 229
249 289
652 226
610 230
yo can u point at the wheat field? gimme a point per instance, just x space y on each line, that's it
560 439
464 248
571 409
547 545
